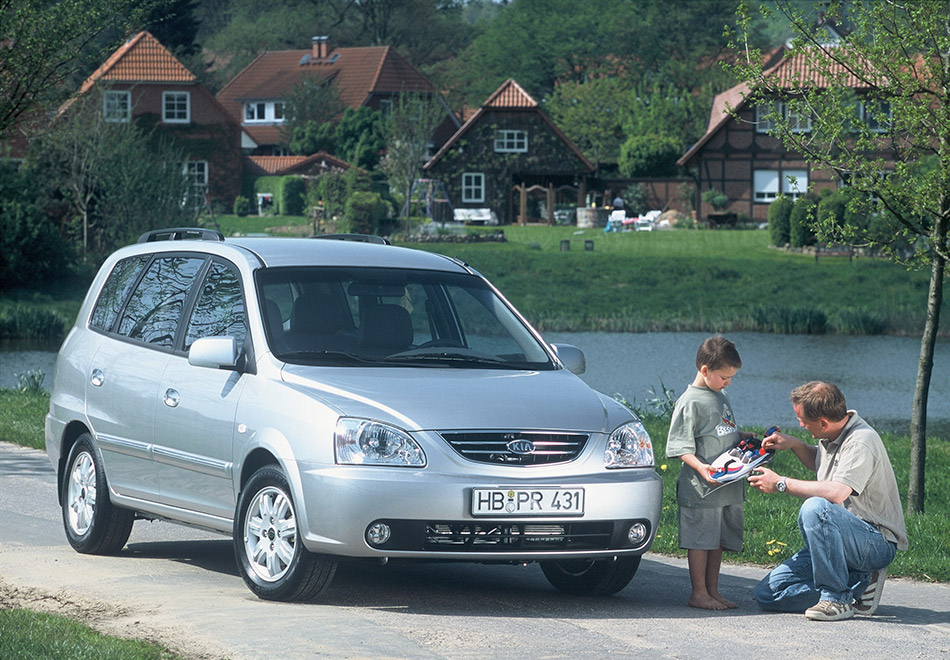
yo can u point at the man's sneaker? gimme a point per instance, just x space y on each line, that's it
867 604
828 610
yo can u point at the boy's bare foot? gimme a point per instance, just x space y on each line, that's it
706 602
725 601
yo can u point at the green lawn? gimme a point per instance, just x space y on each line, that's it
28 635
680 280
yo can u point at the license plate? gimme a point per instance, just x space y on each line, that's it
527 501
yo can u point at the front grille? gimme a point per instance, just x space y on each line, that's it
517 448
509 537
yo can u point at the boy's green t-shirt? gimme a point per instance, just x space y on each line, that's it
703 424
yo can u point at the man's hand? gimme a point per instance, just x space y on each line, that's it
764 479
780 441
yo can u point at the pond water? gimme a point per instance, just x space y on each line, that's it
876 374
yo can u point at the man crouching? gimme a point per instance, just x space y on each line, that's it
851 521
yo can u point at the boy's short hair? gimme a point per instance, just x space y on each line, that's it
717 352
820 399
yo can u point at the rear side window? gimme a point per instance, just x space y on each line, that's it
154 310
219 309
115 291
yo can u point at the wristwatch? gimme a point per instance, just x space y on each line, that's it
782 485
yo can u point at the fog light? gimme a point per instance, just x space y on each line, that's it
637 533
378 533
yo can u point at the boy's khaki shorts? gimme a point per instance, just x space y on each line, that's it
711 529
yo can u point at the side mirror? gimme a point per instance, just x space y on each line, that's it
214 352
572 357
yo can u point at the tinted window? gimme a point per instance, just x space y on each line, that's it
219 309
378 316
115 291
154 309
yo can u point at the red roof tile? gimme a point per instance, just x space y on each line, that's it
510 95
356 73
793 71
140 59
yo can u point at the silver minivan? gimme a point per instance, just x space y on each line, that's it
318 399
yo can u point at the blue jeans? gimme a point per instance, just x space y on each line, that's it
840 552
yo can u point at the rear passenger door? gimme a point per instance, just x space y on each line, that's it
123 379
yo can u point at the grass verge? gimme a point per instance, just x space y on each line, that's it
28 635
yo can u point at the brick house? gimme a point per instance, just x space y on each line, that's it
738 156
145 83
509 157
369 76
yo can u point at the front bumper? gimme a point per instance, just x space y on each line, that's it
429 514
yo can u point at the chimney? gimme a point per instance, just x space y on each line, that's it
321 48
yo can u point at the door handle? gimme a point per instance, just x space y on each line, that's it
97 378
172 398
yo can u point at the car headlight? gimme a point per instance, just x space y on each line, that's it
629 446
365 442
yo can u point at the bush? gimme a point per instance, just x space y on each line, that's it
832 209
800 221
242 206
715 198
649 155
293 192
779 213
365 212
32 252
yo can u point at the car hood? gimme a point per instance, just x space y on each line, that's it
442 399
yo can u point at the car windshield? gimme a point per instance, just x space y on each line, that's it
384 316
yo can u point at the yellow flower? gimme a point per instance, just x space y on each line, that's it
663 467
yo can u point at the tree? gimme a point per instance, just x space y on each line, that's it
45 45
879 103
591 115
312 102
114 180
409 131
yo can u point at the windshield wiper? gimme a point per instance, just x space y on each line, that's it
323 356
450 358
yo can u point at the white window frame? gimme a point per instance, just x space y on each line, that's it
473 187
511 141
117 106
264 112
797 189
762 123
173 103
797 123
766 184
196 174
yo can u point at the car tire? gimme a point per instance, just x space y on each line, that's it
93 524
591 577
273 561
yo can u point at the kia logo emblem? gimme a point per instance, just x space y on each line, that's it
521 447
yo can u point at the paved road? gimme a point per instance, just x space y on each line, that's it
181 587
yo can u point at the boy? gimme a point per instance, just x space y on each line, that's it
710 514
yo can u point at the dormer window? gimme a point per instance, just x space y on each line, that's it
117 106
264 111
511 141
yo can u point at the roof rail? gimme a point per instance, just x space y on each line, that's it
359 238
180 234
